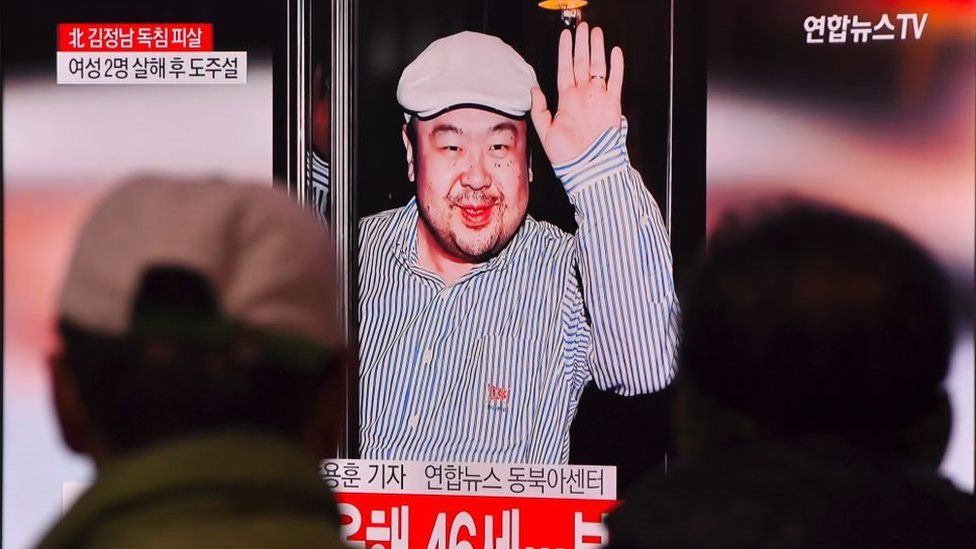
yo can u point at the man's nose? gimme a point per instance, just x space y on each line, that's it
476 175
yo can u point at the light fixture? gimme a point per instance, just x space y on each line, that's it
571 11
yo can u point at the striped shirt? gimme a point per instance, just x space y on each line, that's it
319 186
491 367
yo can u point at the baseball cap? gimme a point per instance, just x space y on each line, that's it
268 260
467 69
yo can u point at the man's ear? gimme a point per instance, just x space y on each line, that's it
77 429
410 153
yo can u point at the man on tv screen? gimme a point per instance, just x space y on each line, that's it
479 325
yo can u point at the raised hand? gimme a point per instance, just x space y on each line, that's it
589 98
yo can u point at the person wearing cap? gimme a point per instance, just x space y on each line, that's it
197 368
479 325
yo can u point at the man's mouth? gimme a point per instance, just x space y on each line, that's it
476 216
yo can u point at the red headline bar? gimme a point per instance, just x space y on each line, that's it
135 37
392 521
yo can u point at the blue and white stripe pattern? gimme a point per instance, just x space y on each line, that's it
491 368
319 180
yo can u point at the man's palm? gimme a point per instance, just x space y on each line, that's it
589 98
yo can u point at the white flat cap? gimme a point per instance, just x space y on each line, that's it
268 261
467 69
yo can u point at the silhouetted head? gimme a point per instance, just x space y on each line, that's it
196 306
812 321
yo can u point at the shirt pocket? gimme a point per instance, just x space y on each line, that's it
503 390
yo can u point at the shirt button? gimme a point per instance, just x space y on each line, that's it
428 356
412 422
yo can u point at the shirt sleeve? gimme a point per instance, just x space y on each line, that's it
623 331
319 182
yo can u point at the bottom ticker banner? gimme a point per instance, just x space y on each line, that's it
401 521
406 504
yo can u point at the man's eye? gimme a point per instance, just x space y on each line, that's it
451 148
499 147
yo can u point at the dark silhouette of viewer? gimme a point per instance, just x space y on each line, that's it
809 408
199 359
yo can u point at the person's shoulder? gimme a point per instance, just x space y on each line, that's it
735 495
379 225
381 218
543 246
545 234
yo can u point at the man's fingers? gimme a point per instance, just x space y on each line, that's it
581 57
598 56
615 81
541 117
564 68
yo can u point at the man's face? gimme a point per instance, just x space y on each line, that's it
472 180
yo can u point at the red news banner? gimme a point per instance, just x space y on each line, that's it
135 36
145 53
439 505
